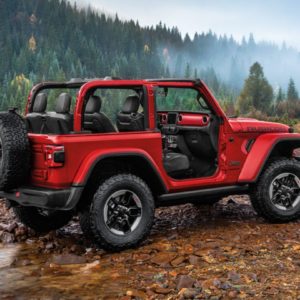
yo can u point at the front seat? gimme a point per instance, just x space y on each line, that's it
129 119
175 163
94 120
35 120
60 121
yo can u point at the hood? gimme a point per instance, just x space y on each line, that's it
253 125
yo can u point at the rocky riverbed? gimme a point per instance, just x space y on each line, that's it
219 252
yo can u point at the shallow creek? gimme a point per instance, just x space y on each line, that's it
226 252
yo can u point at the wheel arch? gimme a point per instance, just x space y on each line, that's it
107 165
262 152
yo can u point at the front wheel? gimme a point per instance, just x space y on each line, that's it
276 196
122 212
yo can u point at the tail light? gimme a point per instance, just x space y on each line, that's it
54 156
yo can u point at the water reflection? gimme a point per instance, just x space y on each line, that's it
25 272
7 255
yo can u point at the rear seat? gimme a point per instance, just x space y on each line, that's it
36 119
60 121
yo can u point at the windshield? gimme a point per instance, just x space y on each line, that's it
180 99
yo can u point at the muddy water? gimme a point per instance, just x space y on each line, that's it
25 272
225 252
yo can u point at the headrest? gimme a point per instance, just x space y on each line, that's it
40 103
63 103
93 105
131 104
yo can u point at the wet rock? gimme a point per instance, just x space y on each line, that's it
232 294
271 291
7 238
91 266
160 277
136 294
22 263
49 245
194 260
161 246
173 237
231 201
68 259
217 283
188 293
162 290
163 258
21 231
125 298
225 286
8 227
188 249
234 277
141 257
253 276
178 261
185 281
77 249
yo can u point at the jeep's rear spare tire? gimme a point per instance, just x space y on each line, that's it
14 151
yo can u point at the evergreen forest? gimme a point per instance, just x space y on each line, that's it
55 40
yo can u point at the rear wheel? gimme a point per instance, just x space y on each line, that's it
122 212
42 220
276 196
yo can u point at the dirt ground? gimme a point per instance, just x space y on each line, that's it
219 252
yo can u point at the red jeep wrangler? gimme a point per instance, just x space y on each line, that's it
125 147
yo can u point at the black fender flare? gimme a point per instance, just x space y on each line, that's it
103 157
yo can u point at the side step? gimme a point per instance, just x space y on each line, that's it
181 197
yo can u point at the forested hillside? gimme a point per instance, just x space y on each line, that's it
53 40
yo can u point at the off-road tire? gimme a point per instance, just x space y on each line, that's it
85 223
259 195
15 161
34 218
101 233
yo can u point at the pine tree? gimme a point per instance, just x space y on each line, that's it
280 96
257 93
292 93
195 73
187 72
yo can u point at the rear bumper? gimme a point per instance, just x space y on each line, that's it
65 199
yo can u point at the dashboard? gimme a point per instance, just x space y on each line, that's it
184 119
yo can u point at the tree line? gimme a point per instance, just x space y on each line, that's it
54 40
259 98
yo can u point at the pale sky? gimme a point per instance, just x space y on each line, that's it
271 20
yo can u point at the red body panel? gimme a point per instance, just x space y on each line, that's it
248 125
260 150
82 151
81 154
